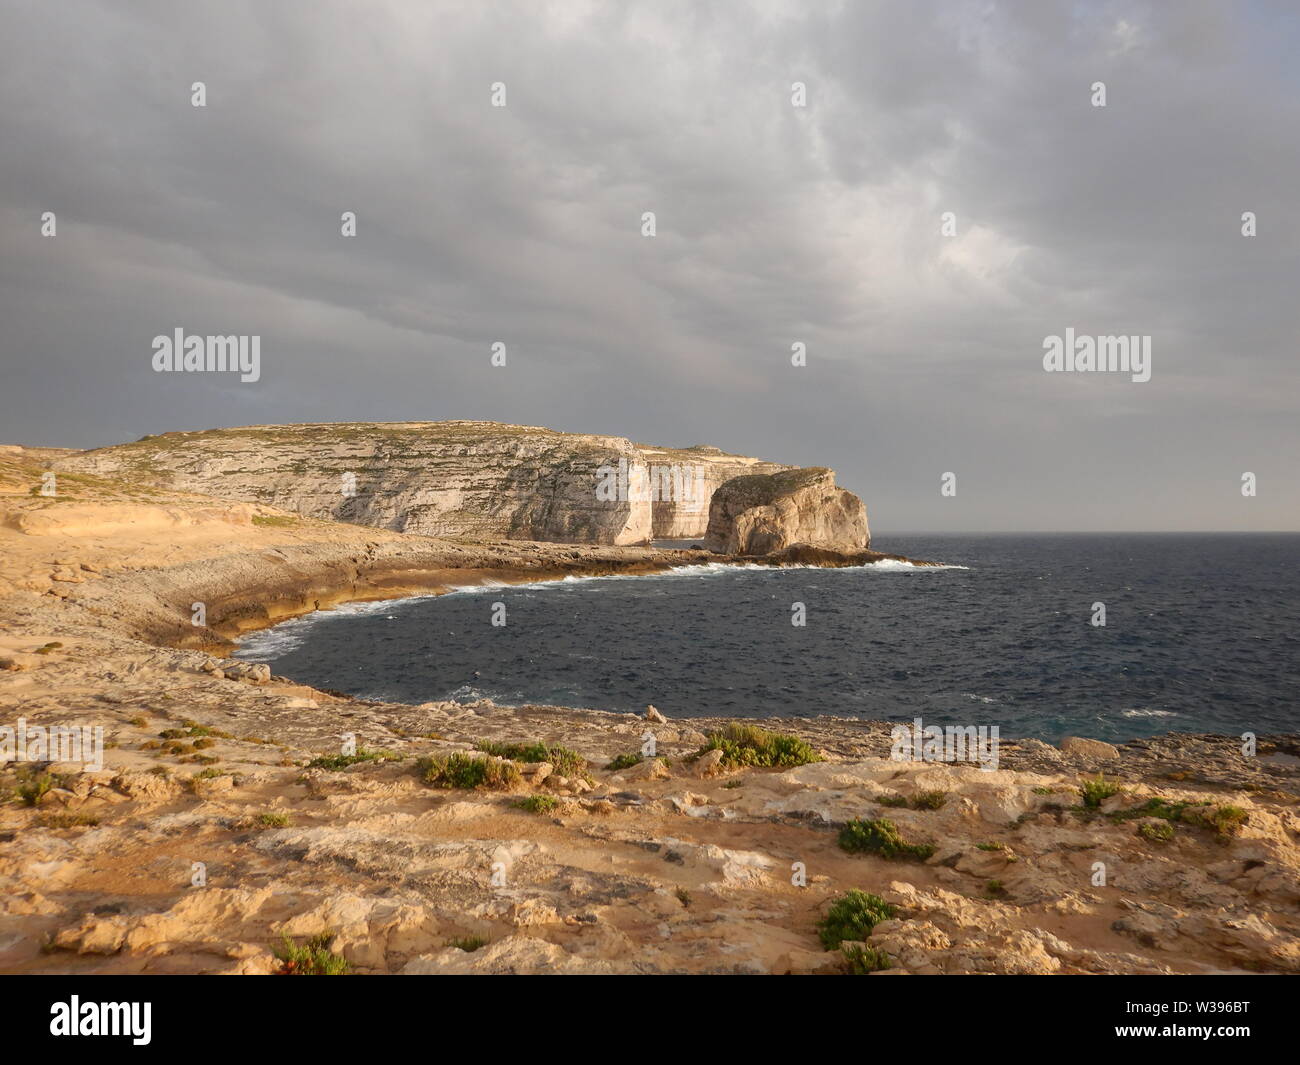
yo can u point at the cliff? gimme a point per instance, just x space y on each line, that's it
763 513
475 480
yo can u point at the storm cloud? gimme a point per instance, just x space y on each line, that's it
775 224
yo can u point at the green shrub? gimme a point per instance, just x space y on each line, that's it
273 819
32 786
866 959
749 745
538 804
565 762
468 944
881 837
1095 790
1226 821
624 761
852 916
342 761
929 800
460 770
1156 831
313 958
993 845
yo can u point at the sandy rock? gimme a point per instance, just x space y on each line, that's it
1097 750
147 787
761 514
709 764
652 714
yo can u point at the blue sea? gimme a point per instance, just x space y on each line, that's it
1201 634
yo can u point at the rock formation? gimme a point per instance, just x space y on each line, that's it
477 480
763 513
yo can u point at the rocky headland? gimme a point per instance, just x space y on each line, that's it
236 810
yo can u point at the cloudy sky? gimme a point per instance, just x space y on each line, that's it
775 224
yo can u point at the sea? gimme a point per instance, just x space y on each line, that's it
1108 636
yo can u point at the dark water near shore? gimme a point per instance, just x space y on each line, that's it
1201 634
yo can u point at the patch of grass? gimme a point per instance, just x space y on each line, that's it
852 916
1226 821
565 762
749 745
683 896
1096 790
1157 831
313 958
64 819
32 786
992 845
468 944
1154 807
733 784
881 837
1044 791
894 802
866 959
48 648
342 761
274 519
460 770
538 804
140 721
625 761
995 889
274 819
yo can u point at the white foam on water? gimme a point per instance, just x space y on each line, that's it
289 635
1142 711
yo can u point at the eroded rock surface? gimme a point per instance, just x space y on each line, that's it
761 514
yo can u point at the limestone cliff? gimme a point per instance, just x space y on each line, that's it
760 514
478 480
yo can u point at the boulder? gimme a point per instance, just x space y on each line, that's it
1093 749
761 514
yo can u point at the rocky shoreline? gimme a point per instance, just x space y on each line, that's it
229 815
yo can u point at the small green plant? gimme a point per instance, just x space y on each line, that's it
894 802
313 958
929 800
1156 831
624 761
468 944
881 837
538 804
342 761
1044 791
565 762
274 519
273 819
460 770
140 721
864 959
995 889
852 916
47 648
1096 790
32 786
1226 821
992 845
749 745
64 819
683 896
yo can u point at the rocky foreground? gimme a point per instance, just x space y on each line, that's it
232 811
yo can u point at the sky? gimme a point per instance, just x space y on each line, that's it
774 225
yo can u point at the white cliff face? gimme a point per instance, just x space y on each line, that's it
477 480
